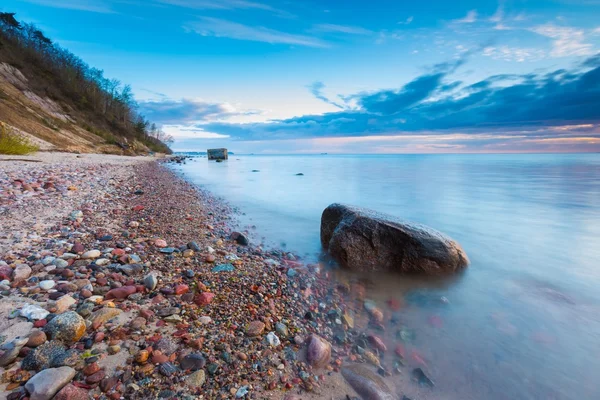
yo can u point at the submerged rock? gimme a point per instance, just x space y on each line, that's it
366 383
318 353
362 239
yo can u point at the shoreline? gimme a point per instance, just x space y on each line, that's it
142 216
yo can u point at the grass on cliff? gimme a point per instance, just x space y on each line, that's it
14 144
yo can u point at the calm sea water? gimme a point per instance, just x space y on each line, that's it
524 321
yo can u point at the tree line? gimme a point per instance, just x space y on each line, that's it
84 85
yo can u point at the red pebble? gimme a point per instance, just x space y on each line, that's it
138 208
400 351
204 299
40 323
99 337
181 289
120 293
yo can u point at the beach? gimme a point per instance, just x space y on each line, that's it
169 303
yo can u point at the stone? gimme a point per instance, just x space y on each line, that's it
281 329
420 376
181 289
71 392
193 362
95 378
42 357
21 272
196 379
318 352
204 298
224 268
36 338
11 350
6 272
366 383
365 240
91 254
69 358
33 312
167 369
160 243
68 327
104 315
255 328
273 340
47 285
120 293
151 281
64 303
240 238
131 269
45 384
194 246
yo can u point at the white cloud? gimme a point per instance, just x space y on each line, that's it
468 19
566 41
207 26
517 54
407 21
352 30
97 6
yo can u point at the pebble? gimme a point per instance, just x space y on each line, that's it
91 254
47 285
45 384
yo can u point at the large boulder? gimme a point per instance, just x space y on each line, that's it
365 240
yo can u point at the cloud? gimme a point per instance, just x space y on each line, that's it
566 41
435 102
187 111
407 21
518 54
468 19
219 5
332 28
96 6
207 26
316 88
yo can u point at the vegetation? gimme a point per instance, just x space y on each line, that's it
14 144
105 105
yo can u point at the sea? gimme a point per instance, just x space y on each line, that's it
522 322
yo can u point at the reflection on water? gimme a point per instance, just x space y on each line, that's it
523 322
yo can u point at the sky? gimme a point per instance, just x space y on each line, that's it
313 76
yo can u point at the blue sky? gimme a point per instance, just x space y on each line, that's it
347 76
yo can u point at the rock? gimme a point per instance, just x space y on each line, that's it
45 384
95 378
361 239
204 299
240 238
377 343
150 281
181 289
120 293
142 356
11 350
104 315
69 358
420 376
224 268
42 357
64 303
196 379
167 311
47 285
36 338
366 383
194 246
193 362
160 243
255 328
281 329
68 327
318 353
273 340
6 272
167 369
33 312
131 269
71 392
91 254
21 272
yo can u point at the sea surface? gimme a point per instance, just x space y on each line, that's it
523 322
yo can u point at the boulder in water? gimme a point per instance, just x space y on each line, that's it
365 240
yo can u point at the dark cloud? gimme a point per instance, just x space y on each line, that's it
434 102
186 111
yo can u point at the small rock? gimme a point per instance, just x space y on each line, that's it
196 379
150 281
255 328
91 254
64 303
319 351
36 338
193 362
47 285
21 272
71 392
45 384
